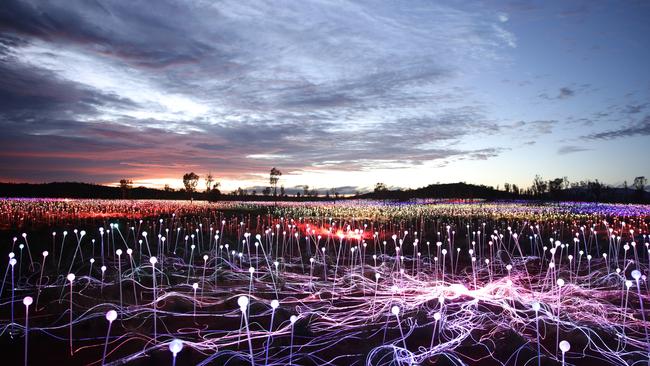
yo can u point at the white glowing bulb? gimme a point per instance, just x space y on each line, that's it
111 315
242 301
565 346
395 310
175 346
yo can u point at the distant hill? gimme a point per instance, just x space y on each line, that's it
448 190
593 192
86 190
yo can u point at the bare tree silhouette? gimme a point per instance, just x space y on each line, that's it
208 182
274 178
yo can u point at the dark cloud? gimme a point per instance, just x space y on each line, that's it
124 30
566 92
572 90
28 92
641 128
636 108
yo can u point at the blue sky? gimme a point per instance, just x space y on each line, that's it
334 93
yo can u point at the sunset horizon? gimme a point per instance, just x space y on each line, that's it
410 96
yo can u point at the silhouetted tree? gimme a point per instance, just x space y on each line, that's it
380 187
266 191
208 182
555 187
506 187
595 188
639 186
282 192
190 180
214 194
539 185
515 189
274 177
125 186
639 183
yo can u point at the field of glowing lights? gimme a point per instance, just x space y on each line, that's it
92 282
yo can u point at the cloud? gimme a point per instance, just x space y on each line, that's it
571 149
635 108
641 128
534 128
566 92
234 87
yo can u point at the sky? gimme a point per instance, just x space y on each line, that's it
333 93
